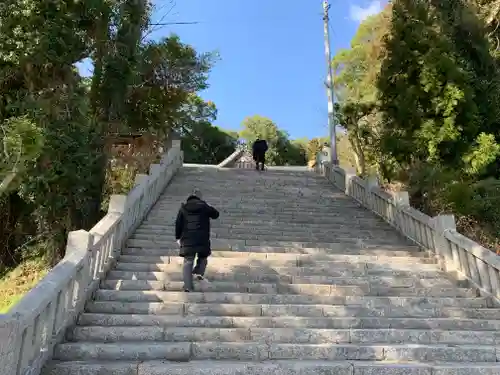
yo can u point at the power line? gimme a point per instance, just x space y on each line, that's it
175 23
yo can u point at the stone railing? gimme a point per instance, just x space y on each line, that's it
230 161
240 158
245 164
455 252
30 330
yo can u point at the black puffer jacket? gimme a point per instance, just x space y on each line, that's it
192 227
259 147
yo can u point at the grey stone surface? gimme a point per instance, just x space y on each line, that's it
361 368
246 368
333 249
286 299
123 351
100 319
89 368
470 369
286 367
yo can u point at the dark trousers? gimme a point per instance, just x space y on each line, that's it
188 270
260 160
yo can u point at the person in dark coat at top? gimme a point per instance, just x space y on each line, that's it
259 149
192 232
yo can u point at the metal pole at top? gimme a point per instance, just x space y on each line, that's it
329 86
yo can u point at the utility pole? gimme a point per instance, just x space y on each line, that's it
329 86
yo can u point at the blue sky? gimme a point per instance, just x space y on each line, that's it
272 55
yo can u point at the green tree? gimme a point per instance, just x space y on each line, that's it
281 150
203 143
356 68
355 117
169 73
43 113
356 71
437 98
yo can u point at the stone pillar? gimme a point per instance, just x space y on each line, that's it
401 201
350 173
154 169
442 224
81 241
140 179
371 184
117 204
324 158
176 143
401 198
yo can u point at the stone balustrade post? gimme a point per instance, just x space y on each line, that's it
154 169
350 173
176 143
401 201
140 179
118 206
81 241
442 224
371 184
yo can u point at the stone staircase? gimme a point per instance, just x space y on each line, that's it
303 280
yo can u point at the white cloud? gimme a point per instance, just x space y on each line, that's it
359 14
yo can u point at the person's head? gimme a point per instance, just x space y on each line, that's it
197 193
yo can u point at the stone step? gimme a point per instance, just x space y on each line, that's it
333 236
237 194
309 220
242 258
373 281
291 275
271 225
359 214
283 335
255 266
235 244
277 212
274 208
268 203
278 367
208 309
187 351
284 321
221 229
304 289
275 251
235 190
286 299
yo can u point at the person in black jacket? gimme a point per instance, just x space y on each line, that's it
259 149
192 232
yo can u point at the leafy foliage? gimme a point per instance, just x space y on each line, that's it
281 150
57 129
168 74
202 142
427 72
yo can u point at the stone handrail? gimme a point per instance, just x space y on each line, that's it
438 234
30 330
231 159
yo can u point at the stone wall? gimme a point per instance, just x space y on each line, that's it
30 330
455 252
